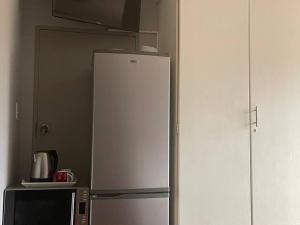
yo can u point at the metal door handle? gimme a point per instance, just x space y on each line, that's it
256 117
72 209
44 129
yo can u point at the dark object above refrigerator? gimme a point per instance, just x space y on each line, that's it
118 14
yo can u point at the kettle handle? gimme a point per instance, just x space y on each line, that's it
55 160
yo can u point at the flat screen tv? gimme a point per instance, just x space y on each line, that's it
119 14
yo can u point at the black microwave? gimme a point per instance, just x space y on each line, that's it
46 206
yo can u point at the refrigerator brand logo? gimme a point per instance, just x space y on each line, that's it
133 61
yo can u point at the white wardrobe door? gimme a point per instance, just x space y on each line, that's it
275 77
214 148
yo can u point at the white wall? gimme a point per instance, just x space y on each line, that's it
168 44
168 28
34 13
9 11
149 15
39 12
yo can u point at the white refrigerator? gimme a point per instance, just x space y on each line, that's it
130 156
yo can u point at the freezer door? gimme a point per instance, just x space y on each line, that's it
131 122
135 211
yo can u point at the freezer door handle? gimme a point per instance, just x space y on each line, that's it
129 196
104 196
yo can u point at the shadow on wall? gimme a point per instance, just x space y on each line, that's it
9 34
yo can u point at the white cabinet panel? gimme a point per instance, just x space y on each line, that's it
214 152
275 81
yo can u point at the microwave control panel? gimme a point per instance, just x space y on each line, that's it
82 206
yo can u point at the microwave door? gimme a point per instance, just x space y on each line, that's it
36 207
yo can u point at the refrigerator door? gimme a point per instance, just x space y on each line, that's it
130 211
131 122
